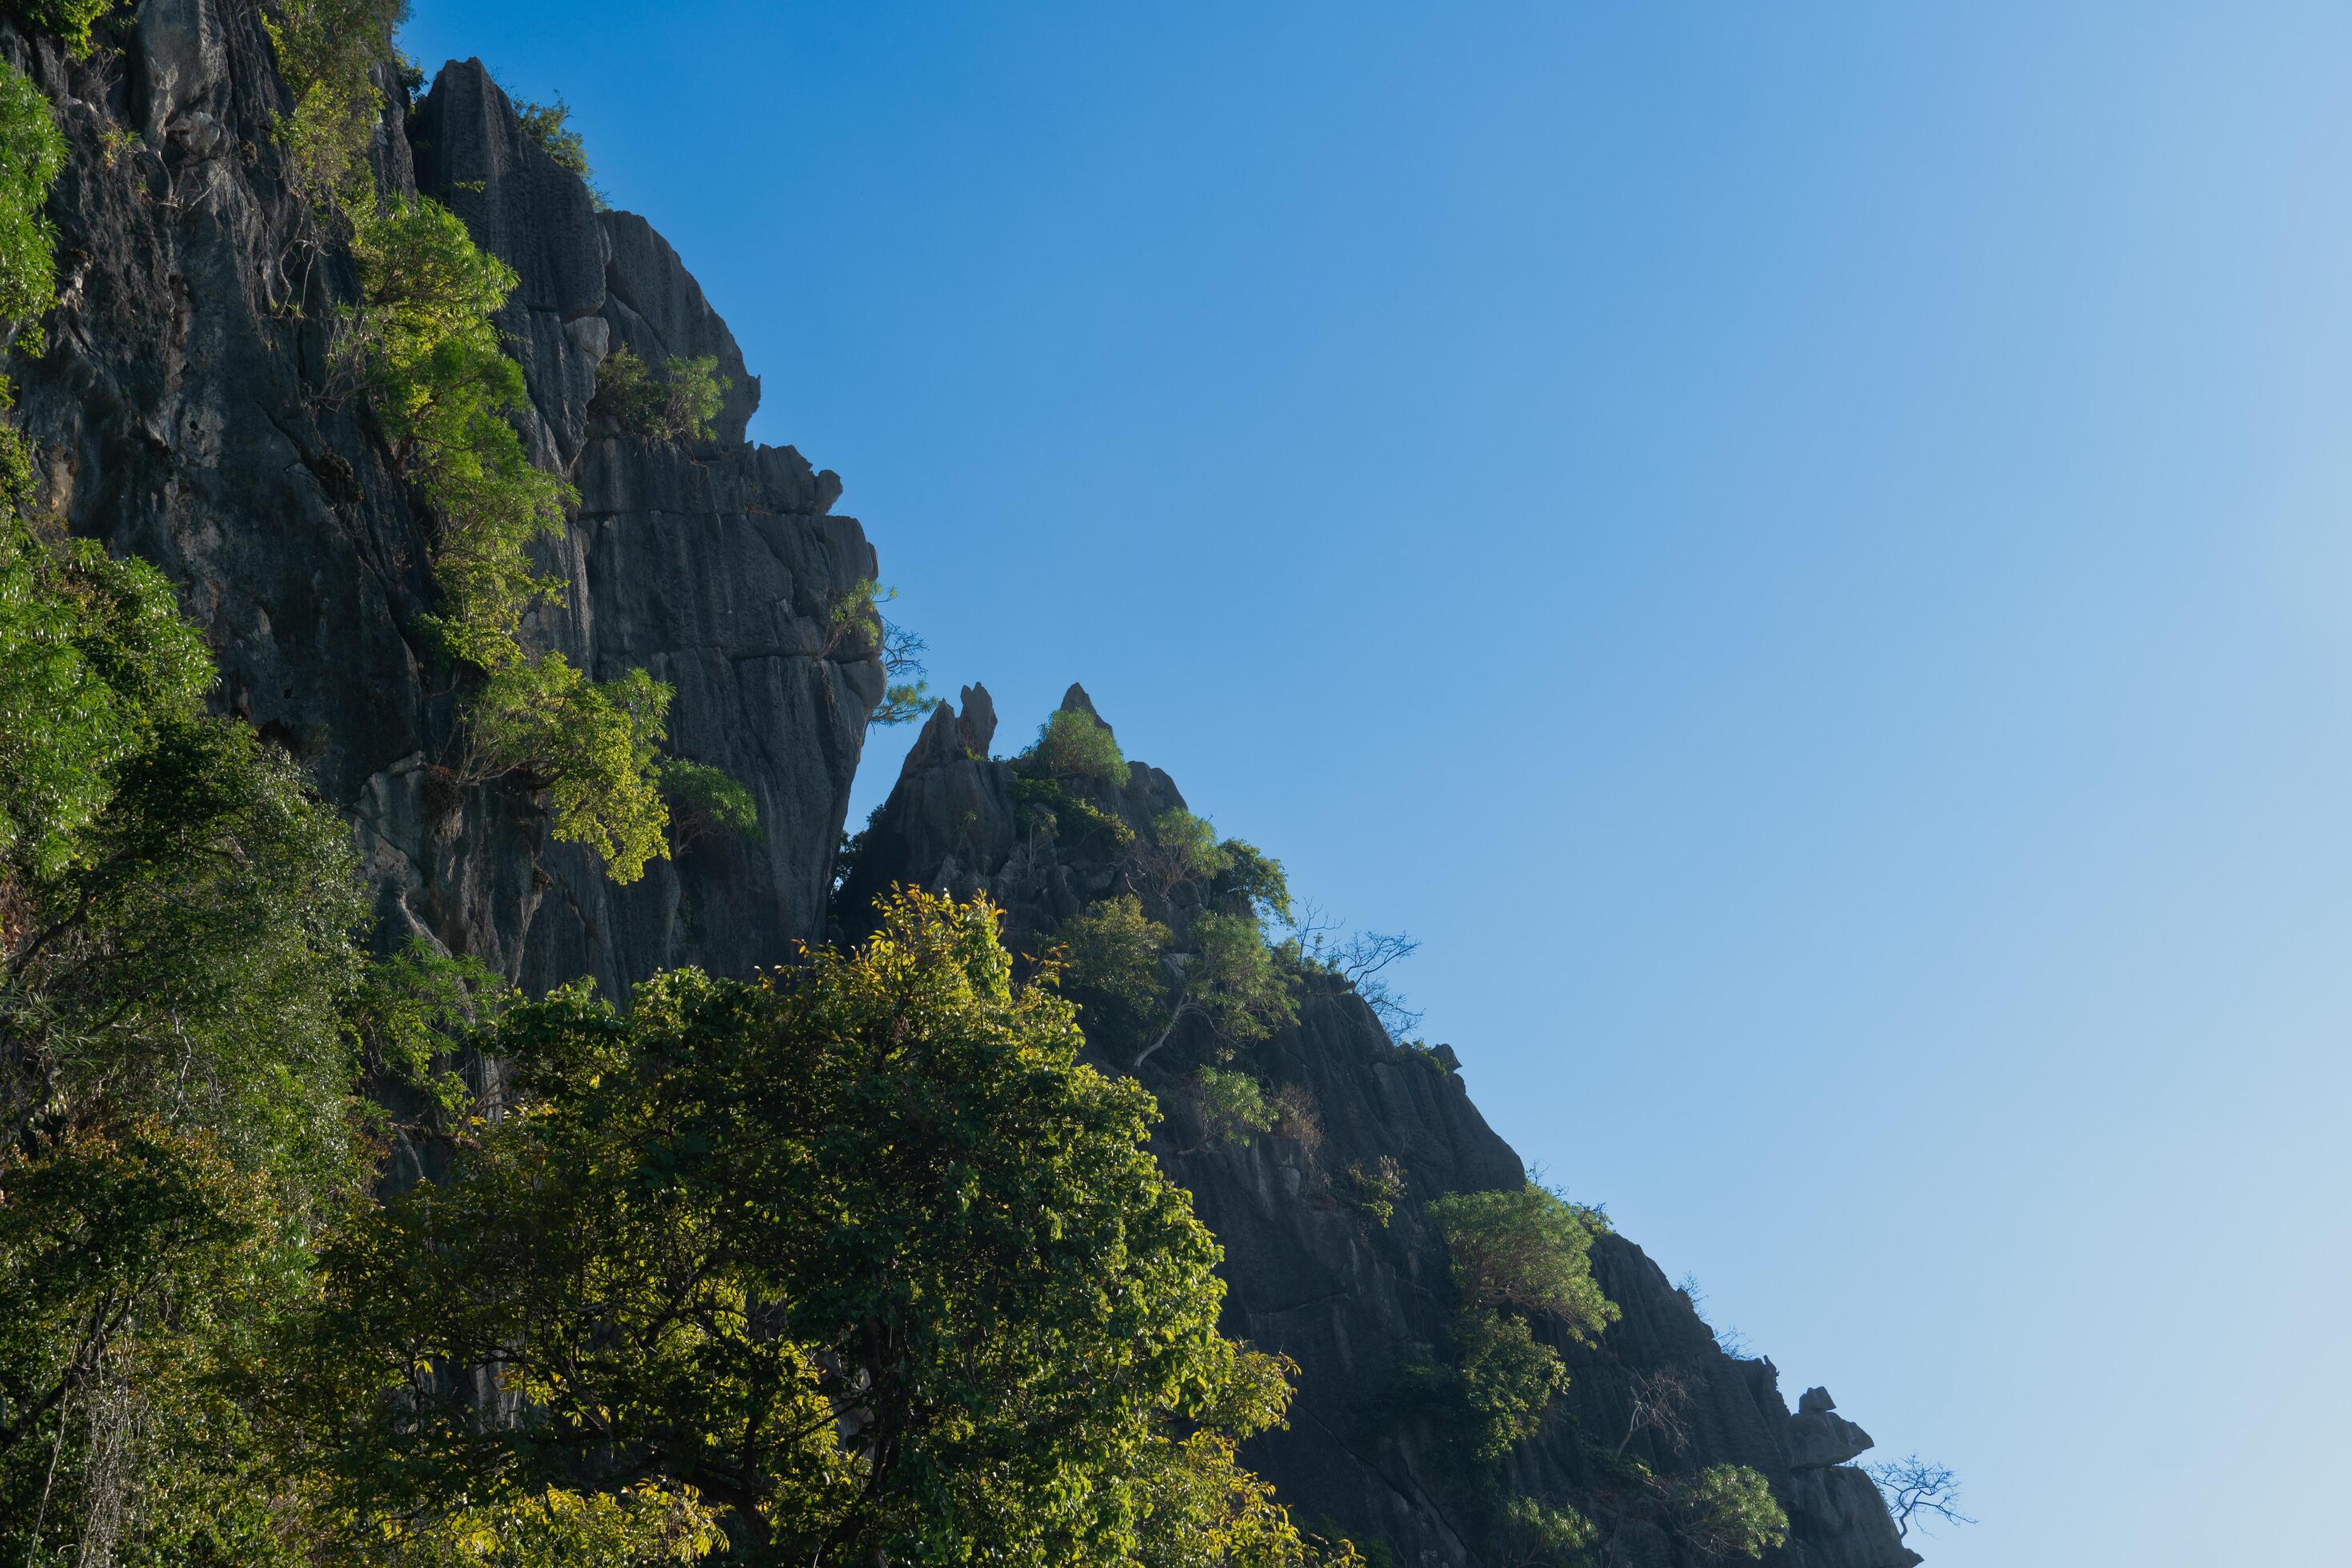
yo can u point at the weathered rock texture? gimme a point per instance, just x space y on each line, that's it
1358 1304
188 410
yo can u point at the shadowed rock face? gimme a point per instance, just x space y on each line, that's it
189 412
1356 1303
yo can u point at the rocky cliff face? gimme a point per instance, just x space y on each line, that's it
1358 1304
186 411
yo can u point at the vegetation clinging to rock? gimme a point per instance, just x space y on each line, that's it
676 406
1074 745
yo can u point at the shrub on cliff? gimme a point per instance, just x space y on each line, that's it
1233 1104
32 150
70 20
856 621
1727 1510
1522 1250
325 49
1528 1248
1506 1379
443 386
676 406
1140 982
1073 744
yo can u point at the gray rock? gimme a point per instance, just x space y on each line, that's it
1822 1437
180 415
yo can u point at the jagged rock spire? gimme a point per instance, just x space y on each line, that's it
946 738
1076 701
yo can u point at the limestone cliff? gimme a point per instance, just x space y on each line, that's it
186 411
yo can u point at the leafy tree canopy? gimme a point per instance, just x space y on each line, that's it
860 1252
1530 1248
1073 743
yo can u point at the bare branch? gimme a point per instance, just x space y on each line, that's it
1917 1491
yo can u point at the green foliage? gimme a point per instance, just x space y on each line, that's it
646 1525
1231 982
1374 1193
1051 805
94 656
1537 1535
705 799
175 955
1074 745
325 49
593 744
70 20
548 124
1727 1510
862 1251
442 385
1119 964
1202 1510
32 150
1254 879
1522 1250
1182 849
1233 1104
1529 1249
1111 964
856 621
406 1011
678 405
1506 1378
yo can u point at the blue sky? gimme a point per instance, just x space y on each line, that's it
1800 549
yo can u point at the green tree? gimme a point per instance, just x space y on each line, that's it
1074 745
325 49
1181 851
1525 1249
1727 1510
706 800
1233 1104
857 622
1230 983
31 151
1536 1534
1508 1378
1111 961
861 1251
1529 1249
595 745
175 960
678 405
1253 881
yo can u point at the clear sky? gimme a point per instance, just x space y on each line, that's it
1802 550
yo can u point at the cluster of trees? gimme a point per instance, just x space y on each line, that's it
1522 1257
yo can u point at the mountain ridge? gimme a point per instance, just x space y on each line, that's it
185 414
